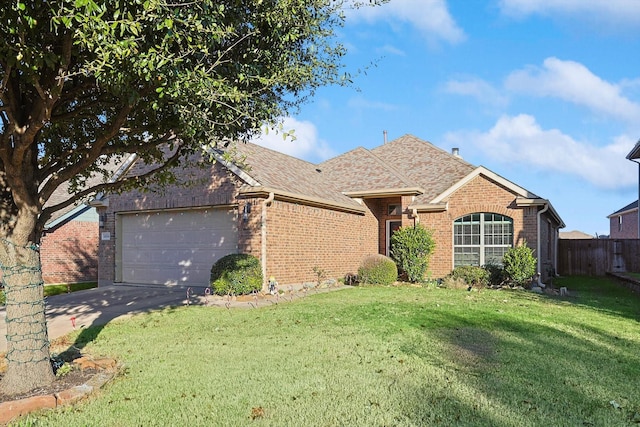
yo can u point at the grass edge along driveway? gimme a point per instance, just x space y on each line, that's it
388 356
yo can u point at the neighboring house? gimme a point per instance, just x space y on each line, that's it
297 217
575 235
623 223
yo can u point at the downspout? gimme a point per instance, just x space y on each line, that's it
540 212
263 229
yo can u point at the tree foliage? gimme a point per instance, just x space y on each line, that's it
85 82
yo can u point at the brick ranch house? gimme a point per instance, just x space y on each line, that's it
296 216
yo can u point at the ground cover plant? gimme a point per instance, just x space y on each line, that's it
374 356
51 290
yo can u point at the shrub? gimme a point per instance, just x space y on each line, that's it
237 274
378 270
496 274
471 275
410 249
519 264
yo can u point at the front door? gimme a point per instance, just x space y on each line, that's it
392 226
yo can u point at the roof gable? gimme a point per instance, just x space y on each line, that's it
633 206
273 170
481 170
423 164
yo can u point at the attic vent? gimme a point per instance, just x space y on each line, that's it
455 151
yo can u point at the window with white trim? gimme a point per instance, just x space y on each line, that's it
481 238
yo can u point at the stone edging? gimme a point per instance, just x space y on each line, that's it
10 411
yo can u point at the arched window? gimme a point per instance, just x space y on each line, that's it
481 238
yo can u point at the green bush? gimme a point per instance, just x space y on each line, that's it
519 265
471 275
237 274
410 249
496 274
378 270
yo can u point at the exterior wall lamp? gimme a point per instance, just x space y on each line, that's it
246 210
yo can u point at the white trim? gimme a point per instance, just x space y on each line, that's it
481 170
232 167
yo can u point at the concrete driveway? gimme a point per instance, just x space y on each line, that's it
100 305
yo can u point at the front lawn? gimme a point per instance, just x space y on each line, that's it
50 290
392 356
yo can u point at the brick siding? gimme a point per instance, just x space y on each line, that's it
69 254
479 195
628 229
301 237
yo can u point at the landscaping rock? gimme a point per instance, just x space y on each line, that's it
12 410
537 290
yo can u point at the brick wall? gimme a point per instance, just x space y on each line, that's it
479 195
70 253
300 238
625 229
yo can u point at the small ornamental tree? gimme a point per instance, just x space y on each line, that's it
519 264
410 249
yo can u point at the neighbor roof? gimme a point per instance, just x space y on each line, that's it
114 168
630 207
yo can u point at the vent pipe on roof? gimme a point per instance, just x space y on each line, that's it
384 135
455 151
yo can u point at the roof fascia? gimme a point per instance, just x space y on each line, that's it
481 170
261 191
98 201
431 207
635 152
78 210
622 212
384 192
232 167
536 202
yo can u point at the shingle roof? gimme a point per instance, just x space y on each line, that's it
630 206
280 171
424 164
361 170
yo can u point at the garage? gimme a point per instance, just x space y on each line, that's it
174 247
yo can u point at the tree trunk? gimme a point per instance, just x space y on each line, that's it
28 364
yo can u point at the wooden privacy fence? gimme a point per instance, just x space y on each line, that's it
596 257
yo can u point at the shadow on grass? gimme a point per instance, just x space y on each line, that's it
602 294
565 374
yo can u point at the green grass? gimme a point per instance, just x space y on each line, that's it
376 356
50 290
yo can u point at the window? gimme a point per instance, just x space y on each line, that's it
394 210
481 238
620 223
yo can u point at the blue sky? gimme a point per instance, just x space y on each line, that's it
545 93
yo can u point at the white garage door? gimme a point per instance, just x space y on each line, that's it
175 247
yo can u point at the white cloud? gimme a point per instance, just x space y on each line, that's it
360 103
305 144
431 17
519 140
573 82
476 88
602 12
391 50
